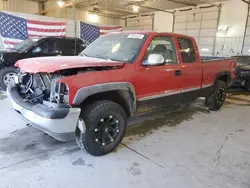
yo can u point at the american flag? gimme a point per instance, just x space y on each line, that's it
14 30
91 32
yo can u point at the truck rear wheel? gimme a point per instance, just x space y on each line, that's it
106 124
247 84
216 100
6 74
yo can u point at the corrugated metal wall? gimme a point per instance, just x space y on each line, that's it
19 6
228 46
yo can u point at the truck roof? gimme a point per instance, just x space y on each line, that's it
151 32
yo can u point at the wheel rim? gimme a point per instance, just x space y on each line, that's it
107 130
221 95
8 77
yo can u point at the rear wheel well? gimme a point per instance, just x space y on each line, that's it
225 78
118 97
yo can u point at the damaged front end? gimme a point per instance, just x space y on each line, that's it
43 102
36 88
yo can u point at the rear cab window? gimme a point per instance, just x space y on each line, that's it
187 50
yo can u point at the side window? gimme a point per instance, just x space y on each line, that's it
49 46
187 50
162 45
68 46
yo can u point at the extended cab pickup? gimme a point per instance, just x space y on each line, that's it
119 75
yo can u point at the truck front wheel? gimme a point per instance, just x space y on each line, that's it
106 124
216 100
6 74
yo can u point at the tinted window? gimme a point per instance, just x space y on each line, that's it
49 46
187 50
162 45
68 46
26 44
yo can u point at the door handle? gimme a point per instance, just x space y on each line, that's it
177 73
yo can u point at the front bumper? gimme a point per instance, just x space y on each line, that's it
60 122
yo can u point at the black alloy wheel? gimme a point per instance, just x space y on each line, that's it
106 124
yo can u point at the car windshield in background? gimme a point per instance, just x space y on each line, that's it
117 47
26 44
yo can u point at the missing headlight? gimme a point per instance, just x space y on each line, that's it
60 93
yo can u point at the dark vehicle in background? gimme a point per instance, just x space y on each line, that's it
36 47
242 72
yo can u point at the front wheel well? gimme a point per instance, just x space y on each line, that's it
119 97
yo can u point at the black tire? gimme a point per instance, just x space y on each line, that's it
247 84
3 72
93 115
216 100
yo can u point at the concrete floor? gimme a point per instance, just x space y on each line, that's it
192 148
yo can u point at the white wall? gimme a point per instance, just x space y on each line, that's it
139 22
19 6
163 22
233 14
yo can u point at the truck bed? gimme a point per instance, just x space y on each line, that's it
209 67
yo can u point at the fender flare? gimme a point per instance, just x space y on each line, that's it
85 92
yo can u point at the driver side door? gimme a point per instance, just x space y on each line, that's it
159 86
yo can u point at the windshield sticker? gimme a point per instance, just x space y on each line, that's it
136 36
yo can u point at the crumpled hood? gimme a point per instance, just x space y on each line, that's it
53 64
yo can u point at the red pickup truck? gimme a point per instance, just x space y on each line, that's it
119 75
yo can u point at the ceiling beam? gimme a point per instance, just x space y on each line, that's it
183 2
245 1
157 9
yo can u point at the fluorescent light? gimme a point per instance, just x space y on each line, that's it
135 8
248 50
204 49
93 18
60 3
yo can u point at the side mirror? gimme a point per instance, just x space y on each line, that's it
37 50
154 60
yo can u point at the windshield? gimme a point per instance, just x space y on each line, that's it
26 44
117 47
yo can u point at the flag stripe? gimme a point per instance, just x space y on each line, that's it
46 30
47 27
45 23
10 43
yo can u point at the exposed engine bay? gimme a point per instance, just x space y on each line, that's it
36 88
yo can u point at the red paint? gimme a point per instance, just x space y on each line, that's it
147 81
52 64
